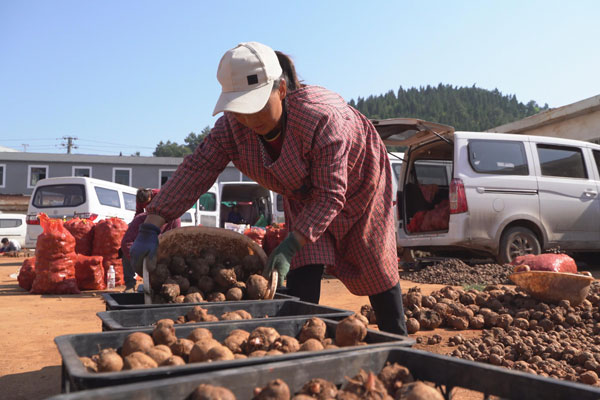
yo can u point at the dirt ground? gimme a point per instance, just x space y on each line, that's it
30 362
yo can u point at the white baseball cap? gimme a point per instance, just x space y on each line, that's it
246 74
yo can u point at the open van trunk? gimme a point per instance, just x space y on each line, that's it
252 201
427 188
426 173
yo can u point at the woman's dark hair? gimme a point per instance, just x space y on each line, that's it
289 72
143 195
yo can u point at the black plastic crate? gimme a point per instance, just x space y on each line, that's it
146 317
75 377
130 301
446 372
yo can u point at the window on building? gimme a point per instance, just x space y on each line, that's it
164 175
35 174
122 176
561 161
82 171
2 175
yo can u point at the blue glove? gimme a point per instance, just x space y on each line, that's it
281 258
145 245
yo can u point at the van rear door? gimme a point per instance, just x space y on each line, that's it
207 207
406 132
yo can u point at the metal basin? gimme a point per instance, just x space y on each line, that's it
554 286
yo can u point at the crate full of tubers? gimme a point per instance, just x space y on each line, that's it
117 357
212 312
400 371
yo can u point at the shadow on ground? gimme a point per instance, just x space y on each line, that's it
31 385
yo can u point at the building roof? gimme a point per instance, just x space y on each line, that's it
2 148
88 158
552 116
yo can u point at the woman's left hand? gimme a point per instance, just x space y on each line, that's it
281 258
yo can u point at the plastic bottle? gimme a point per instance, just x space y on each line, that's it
110 278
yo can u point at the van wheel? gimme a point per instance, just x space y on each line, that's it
517 241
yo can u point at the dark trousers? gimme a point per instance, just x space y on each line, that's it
128 273
305 283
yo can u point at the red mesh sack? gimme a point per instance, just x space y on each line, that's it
107 241
256 233
415 222
27 273
436 219
547 262
89 272
54 259
273 236
83 232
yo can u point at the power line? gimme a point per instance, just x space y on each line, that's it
69 145
116 144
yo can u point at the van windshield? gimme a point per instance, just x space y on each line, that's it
59 196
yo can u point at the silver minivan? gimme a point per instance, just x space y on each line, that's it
501 195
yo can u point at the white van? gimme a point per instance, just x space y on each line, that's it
13 227
502 195
251 199
76 196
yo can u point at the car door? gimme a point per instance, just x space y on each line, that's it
568 194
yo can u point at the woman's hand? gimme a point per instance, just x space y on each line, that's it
281 258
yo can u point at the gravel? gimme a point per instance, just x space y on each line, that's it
453 271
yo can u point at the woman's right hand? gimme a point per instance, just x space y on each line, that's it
145 245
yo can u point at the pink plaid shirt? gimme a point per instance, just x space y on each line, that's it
334 174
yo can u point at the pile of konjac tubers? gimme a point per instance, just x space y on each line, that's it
207 277
394 381
518 331
163 348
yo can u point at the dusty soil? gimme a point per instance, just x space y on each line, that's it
30 363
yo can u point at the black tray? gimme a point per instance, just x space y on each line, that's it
130 301
446 372
76 377
146 317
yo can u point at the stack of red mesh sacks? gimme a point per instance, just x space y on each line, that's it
54 259
256 233
107 242
274 235
88 268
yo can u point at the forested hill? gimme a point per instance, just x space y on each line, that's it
464 108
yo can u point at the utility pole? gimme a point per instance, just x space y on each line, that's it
25 145
69 145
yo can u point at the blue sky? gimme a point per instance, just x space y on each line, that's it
123 75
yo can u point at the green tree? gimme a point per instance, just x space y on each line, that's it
173 149
464 108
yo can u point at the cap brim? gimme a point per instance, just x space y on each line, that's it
248 102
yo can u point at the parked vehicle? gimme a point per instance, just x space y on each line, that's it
76 196
251 199
502 195
13 227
